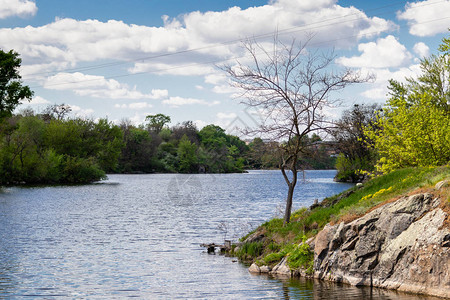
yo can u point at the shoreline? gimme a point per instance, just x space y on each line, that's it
402 244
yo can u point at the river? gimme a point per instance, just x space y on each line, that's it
139 236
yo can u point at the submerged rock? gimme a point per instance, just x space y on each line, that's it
401 245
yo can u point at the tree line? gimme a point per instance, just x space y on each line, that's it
411 129
53 147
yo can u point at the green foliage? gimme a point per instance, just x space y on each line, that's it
157 122
414 126
353 145
11 89
187 156
289 241
81 170
301 257
249 251
34 149
273 258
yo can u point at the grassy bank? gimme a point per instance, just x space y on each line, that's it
274 241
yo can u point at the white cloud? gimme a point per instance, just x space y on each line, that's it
180 101
200 124
426 18
216 78
37 100
384 53
421 50
228 116
21 8
139 117
378 90
167 68
67 42
134 106
80 111
98 87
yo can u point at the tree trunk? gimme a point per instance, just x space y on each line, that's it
291 186
287 212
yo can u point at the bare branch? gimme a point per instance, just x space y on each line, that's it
292 87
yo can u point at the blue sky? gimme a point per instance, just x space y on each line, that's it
127 59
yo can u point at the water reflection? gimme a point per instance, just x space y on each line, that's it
302 288
139 236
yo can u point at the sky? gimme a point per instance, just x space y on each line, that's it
129 59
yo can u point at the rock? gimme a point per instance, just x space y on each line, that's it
282 268
322 241
256 236
254 269
401 245
442 184
264 269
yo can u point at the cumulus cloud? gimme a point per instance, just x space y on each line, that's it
37 100
384 53
80 111
20 8
200 124
426 18
180 101
98 87
421 50
67 42
378 90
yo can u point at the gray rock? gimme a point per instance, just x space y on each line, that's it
442 184
401 245
282 268
256 236
254 269
264 269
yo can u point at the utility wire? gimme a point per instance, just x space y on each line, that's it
284 31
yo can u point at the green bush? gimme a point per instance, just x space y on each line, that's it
250 250
301 257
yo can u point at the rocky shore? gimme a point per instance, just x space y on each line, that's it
402 245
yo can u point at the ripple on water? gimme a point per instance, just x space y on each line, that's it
139 236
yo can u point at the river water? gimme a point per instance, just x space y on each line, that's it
139 236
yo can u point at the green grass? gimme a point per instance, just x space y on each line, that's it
281 241
376 191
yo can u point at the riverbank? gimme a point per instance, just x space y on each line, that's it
392 232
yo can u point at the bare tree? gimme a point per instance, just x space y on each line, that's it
290 86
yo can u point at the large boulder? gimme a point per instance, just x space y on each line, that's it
401 245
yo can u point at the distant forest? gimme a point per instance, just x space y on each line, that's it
53 147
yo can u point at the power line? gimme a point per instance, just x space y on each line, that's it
284 31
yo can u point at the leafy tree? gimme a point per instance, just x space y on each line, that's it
187 156
138 151
353 145
290 85
56 112
414 126
157 122
36 150
187 128
11 88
